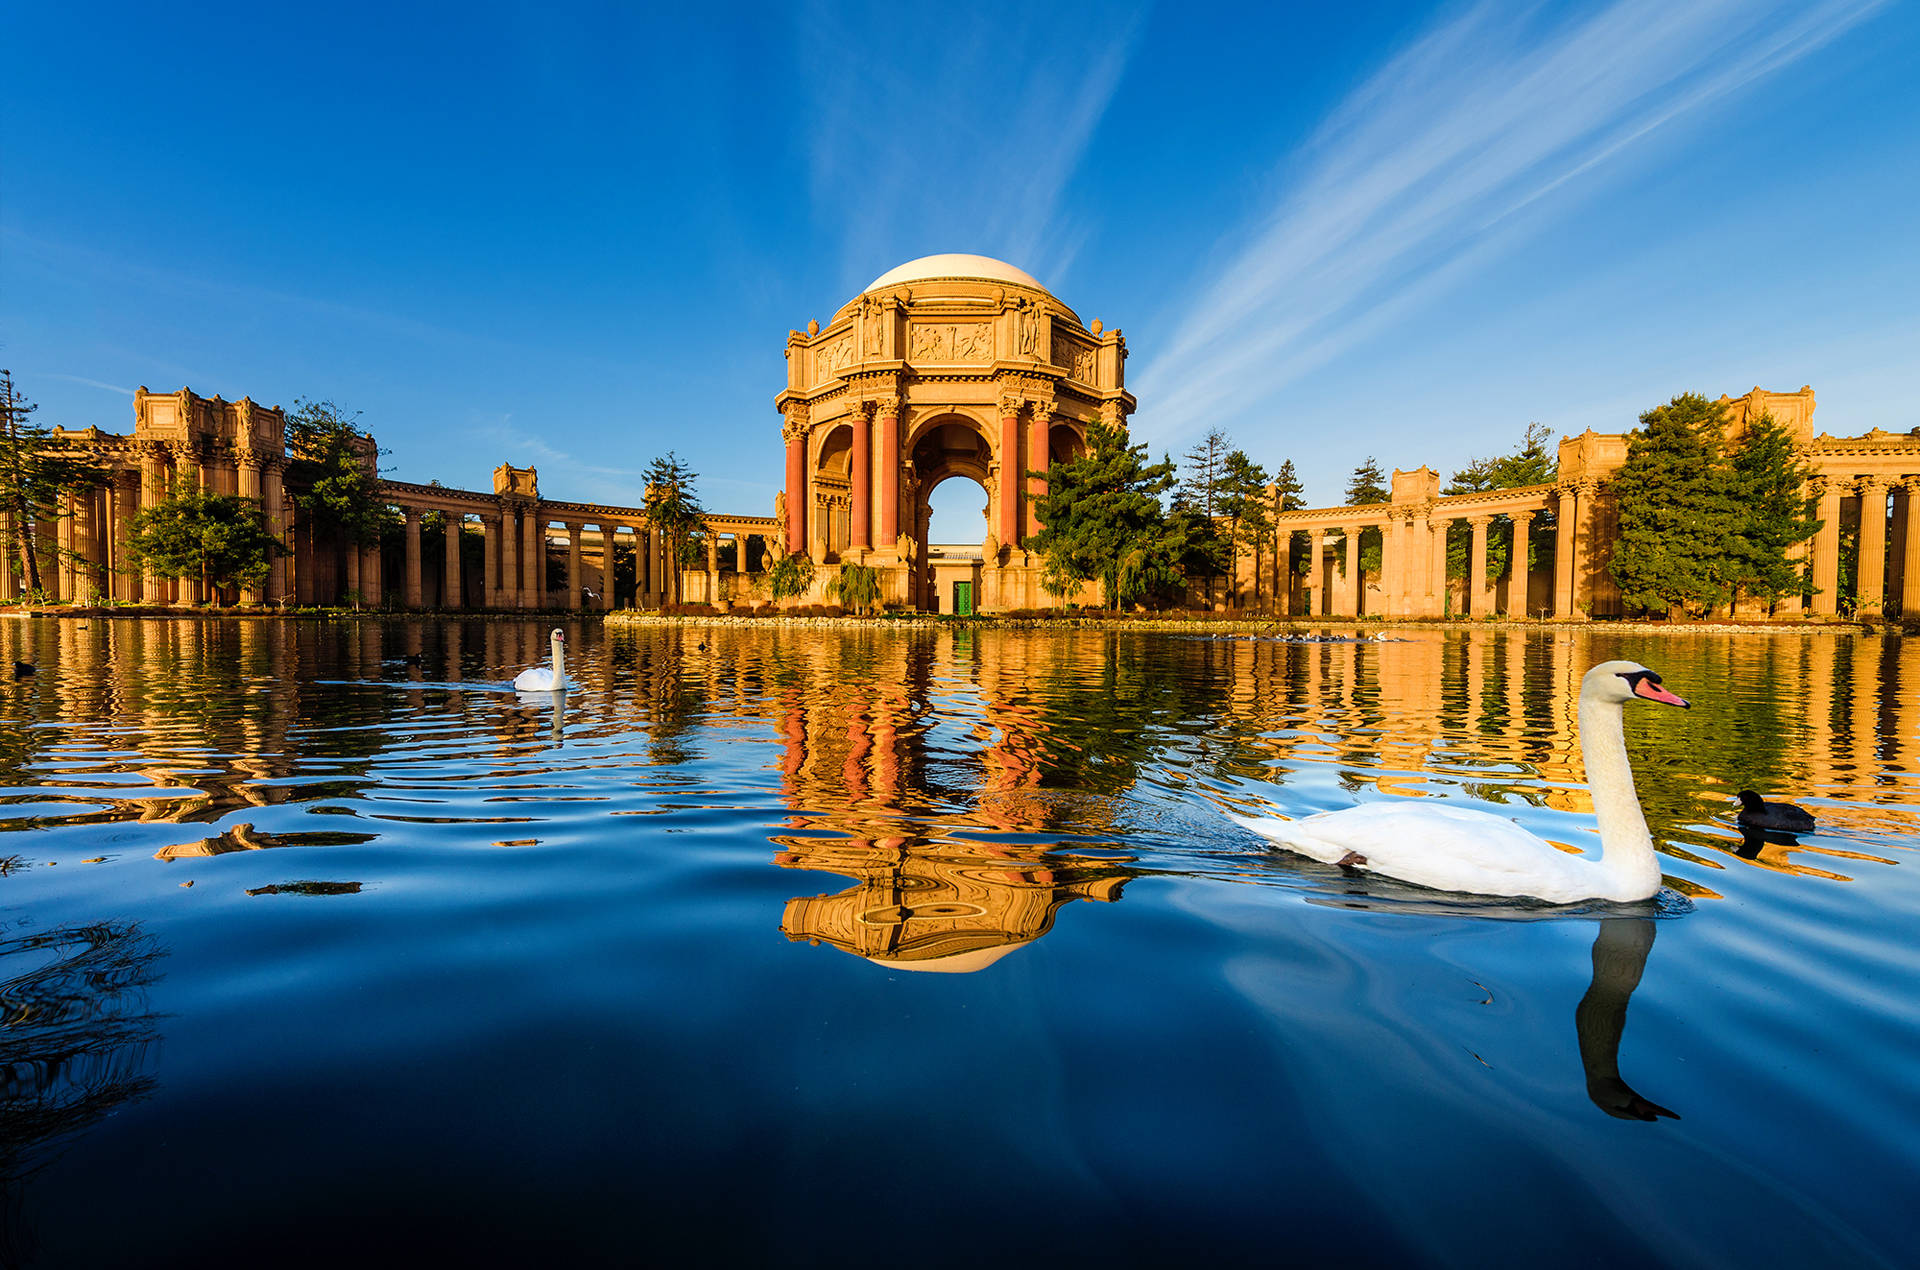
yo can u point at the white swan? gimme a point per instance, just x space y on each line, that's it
546 678
1454 849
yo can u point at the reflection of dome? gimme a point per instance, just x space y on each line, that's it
955 265
959 963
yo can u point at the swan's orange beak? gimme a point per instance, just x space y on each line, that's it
1649 687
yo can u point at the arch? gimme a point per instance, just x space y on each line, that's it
920 422
1066 440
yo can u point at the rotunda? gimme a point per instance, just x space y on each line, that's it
947 366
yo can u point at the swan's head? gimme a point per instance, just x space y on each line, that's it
1621 681
558 636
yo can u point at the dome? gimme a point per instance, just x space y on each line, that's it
955 265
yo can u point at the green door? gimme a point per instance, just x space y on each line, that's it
962 599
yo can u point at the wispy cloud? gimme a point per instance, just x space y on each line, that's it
1407 186
956 137
90 383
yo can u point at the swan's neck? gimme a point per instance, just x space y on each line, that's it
559 663
1626 848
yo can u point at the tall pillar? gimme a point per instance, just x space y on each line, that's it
273 493
9 552
248 469
1037 431
354 558
889 425
450 597
642 568
713 567
490 566
86 547
1910 556
66 588
1871 573
1316 572
795 433
1437 588
530 597
1519 580
410 593
509 559
1826 548
543 545
153 491
372 575
574 590
860 527
1007 527
126 503
1585 549
1479 600
1564 512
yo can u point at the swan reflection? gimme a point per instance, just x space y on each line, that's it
1619 959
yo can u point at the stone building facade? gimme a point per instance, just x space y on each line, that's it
948 366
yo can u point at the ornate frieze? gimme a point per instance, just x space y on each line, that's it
833 356
1075 356
951 342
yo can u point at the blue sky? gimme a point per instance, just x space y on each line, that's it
578 238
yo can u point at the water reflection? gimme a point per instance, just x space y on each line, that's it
1619 959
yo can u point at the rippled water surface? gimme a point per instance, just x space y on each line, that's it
320 945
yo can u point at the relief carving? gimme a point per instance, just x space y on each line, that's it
1026 324
871 328
834 357
1075 356
957 342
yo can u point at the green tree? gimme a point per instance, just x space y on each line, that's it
1289 494
34 473
1678 511
222 539
790 575
1769 482
673 509
1368 487
856 585
1101 518
1532 464
1243 505
333 473
1201 490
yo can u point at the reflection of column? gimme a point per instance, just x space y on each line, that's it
1037 430
1518 579
450 597
860 532
1008 487
1479 601
1826 548
1870 578
411 593
1316 573
889 424
795 433
574 594
1564 512
490 564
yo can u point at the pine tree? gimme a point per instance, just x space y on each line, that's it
34 473
1243 504
673 508
1678 511
1367 487
1101 518
1531 464
222 539
334 472
1769 481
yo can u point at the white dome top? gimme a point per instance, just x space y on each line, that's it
955 265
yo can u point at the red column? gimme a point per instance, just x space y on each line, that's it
797 491
889 474
1036 462
1009 527
861 532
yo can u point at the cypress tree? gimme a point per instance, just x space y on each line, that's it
1678 513
1769 480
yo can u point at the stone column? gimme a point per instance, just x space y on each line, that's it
372 576
1437 588
1316 570
860 527
9 552
795 433
530 597
1354 586
541 576
450 597
1826 548
713 567
248 468
153 491
642 567
509 559
64 587
410 592
1871 574
1038 429
126 502
889 425
1007 527
490 565
1479 599
1910 555
1564 512
574 590
1584 548
273 496
354 558
1518 579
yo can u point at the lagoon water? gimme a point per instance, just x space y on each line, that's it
806 947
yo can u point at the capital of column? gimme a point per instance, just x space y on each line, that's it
888 407
1911 484
857 411
1478 522
412 515
1010 405
1870 485
1523 517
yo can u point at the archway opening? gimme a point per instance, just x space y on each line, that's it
957 516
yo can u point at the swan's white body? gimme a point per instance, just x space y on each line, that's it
1456 849
551 678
